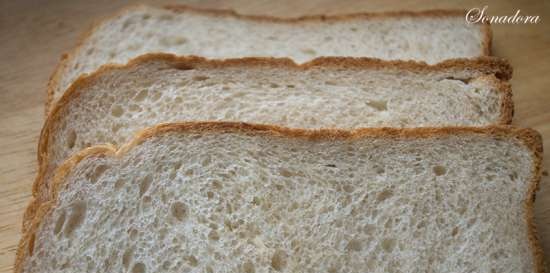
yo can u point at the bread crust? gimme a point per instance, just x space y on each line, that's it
62 66
528 137
490 65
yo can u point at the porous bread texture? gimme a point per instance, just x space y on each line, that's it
115 103
423 36
227 200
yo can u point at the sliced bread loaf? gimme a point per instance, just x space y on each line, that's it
430 36
229 197
110 106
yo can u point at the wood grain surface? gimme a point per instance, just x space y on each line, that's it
34 33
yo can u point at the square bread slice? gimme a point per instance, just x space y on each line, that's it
231 197
114 103
430 36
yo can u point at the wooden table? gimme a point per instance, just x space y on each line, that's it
33 34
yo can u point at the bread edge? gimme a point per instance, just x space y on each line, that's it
528 137
61 67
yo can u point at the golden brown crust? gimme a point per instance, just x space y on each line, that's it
487 65
319 17
62 65
528 137
506 103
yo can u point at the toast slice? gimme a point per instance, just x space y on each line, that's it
114 103
230 197
430 36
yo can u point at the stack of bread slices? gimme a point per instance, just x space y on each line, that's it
186 140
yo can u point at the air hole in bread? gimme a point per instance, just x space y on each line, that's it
156 96
278 260
210 195
126 24
513 176
388 244
179 211
77 214
285 172
173 174
141 95
439 170
379 105
71 139
455 231
248 267
133 234
116 127
192 260
127 257
384 195
166 265
463 80
107 263
117 111
369 229
213 235
206 161
59 223
200 78
96 173
145 184
348 188
256 201
119 183
179 40
146 201
354 245
309 51
138 268
172 41
217 185
273 85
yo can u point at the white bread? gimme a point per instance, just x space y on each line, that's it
229 197
113 104
430 36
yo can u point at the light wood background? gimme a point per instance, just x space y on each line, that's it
33 35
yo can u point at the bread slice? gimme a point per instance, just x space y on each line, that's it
111 105
230 197
430 36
